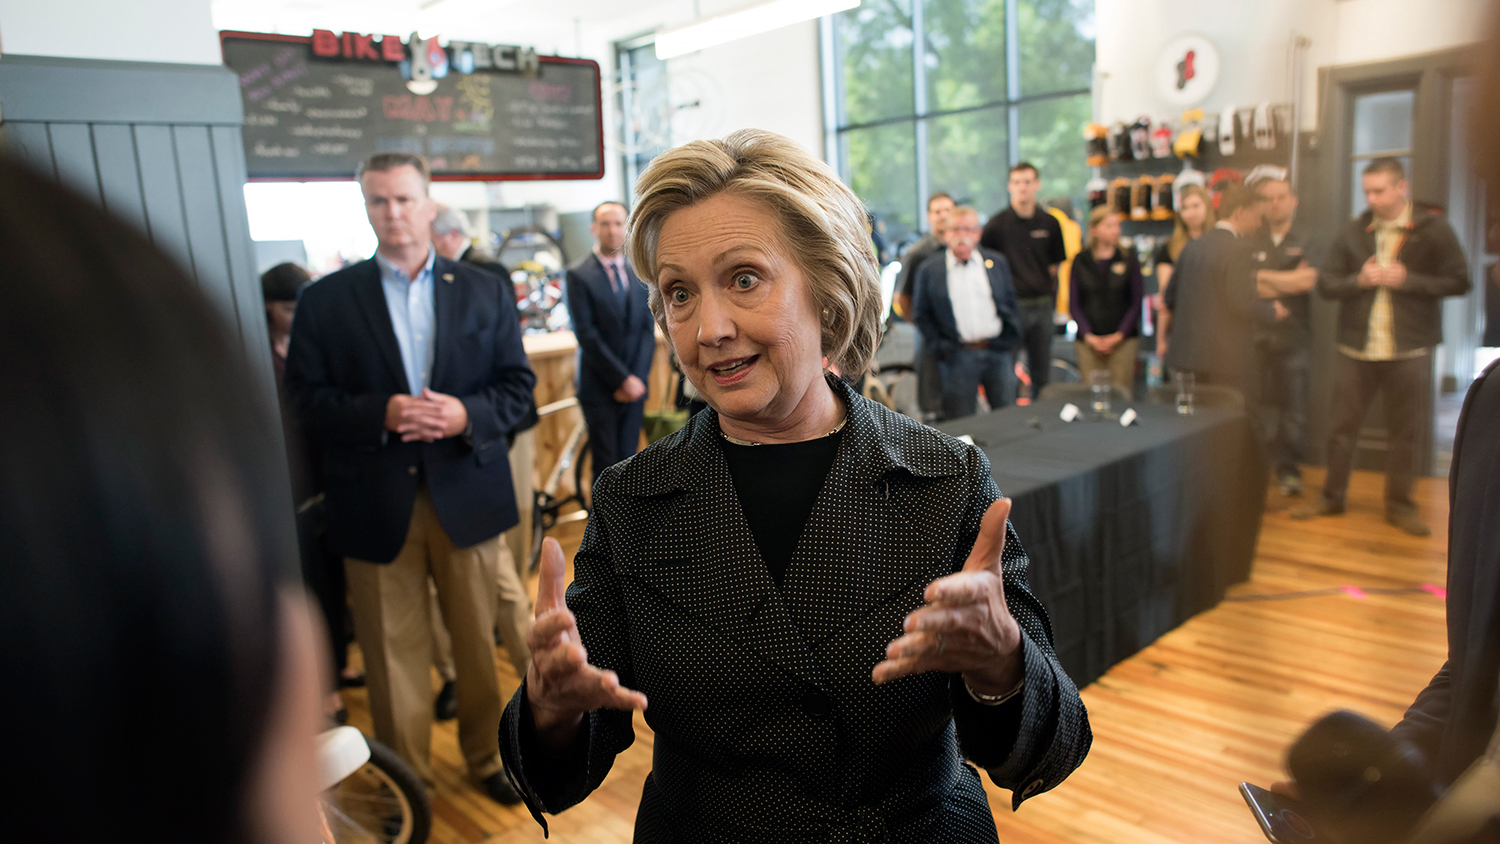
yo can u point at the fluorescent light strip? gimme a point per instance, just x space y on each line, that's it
752 20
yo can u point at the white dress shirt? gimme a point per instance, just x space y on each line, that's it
973 299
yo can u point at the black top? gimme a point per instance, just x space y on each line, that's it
1265 254
777 484
1032 245
1105 297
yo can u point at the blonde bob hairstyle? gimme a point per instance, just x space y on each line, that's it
823 224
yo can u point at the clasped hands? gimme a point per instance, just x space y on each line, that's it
1374 274
428 417
1104 343
631 389
965 628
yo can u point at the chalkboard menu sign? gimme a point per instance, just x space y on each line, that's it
310 115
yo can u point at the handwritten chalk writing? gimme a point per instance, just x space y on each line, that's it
265 150
544 143
337 113
447 145
284 105
547 91
358 86
325 148
419 109
399 145
256 119
311 91
309 131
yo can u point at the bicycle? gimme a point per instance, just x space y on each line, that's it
370 796
548 502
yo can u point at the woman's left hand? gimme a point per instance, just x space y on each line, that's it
966 626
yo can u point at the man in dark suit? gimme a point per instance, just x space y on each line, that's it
616 340
410 373
965 307
1214 304
1390 270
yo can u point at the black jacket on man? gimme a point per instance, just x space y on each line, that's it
507 294
1435 268
616 334
1215 310
932 308
343 367
1452 719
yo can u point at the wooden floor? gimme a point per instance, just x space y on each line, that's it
1177 726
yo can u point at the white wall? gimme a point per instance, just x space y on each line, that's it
1253 38
180 31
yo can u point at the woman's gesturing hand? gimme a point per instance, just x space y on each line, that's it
561 686
966 626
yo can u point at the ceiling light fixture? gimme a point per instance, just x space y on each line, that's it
752 20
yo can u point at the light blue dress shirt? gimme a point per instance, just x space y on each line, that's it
413 317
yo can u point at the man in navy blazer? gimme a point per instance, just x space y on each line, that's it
408 369
965 307
616 340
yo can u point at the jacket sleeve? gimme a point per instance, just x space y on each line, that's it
551 781
586 330
329 413
1031 743
509 395
1339 276
1239 288
645 350
1450 277
1007 308
1423 723
924 314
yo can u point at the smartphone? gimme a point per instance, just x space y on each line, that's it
1280 818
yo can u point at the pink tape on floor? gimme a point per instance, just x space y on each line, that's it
1436 590
1354 592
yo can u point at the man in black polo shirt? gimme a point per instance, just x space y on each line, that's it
1286 269
1031 241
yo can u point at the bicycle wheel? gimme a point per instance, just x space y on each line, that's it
384 802
583 473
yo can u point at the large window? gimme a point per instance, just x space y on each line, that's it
642 101
988 83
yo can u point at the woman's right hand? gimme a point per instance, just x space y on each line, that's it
561 686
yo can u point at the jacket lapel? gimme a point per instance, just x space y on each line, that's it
703 558
445 295
944 302
371 299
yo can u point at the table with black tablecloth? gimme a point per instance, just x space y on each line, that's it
1130 531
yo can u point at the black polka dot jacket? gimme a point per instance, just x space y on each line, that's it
767 725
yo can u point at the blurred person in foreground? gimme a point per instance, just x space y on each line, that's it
408 371
1285 262
1105 295
162 660
929 379
965 310
1390 270
1195 215
821 599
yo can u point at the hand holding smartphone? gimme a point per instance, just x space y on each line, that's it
1281 818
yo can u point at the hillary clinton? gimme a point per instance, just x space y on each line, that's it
818 604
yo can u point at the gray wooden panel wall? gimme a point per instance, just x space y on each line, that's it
158 145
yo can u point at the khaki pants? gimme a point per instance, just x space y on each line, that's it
513 609
393 625
1120 363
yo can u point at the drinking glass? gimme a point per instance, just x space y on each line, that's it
1099 385
1185 382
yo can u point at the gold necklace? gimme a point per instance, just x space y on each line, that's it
737 441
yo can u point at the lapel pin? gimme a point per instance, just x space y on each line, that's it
989 264
448 277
